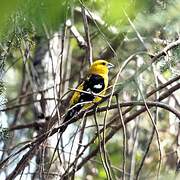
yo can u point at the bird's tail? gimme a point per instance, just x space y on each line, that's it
70 114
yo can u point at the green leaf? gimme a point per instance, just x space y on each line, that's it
40 15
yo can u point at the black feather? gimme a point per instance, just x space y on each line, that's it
89 86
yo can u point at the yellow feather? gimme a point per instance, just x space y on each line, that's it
101 68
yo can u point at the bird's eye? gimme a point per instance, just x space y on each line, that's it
104 63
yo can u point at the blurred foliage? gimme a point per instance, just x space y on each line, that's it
41 16
117 10
7 9
24 22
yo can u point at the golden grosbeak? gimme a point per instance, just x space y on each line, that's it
87 92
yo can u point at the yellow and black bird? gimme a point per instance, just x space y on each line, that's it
87 92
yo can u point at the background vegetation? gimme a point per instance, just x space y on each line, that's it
46 48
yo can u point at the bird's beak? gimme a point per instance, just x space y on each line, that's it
109 65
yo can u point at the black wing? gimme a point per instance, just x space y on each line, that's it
94 84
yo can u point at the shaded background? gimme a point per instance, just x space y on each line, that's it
46 48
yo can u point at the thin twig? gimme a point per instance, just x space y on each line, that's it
156 131
101 149
153 129
86 29
124 136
